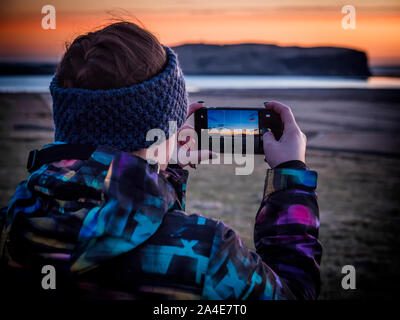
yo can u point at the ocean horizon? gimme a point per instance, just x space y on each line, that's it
195 83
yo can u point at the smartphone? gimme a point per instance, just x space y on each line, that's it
230 129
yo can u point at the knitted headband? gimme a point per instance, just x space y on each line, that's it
121 118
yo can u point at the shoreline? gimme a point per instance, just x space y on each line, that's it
381 94
208 83
336 120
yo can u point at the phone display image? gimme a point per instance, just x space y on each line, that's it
230 127
235 129
228 122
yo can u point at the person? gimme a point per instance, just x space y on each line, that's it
113 224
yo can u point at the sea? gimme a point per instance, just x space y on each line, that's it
194 83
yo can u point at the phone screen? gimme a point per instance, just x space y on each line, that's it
231 130
235 129
230 122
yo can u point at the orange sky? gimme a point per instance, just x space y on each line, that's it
284 22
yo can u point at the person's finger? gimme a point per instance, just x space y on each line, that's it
285 113
186 126
268 138
186 134
193 107
191 144
186 129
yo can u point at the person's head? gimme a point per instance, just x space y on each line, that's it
115 84
120 55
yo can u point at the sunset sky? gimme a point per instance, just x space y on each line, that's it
283 22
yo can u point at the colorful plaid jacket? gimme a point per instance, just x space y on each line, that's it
113 227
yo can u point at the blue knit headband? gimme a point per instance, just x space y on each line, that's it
121 118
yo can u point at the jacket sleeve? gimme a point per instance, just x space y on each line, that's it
286 265
3 212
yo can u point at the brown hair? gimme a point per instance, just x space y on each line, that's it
117 56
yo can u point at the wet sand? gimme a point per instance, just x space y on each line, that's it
353 143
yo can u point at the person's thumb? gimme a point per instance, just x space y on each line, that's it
269 138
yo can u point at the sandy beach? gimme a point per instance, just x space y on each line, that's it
353 143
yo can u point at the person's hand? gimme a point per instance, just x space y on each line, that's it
291 145
187 142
